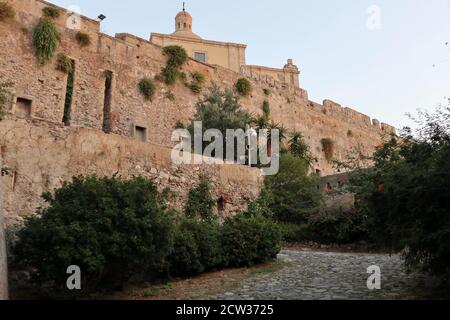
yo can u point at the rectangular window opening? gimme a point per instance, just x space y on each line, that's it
140 134
200 56
69 94
107 102
23 108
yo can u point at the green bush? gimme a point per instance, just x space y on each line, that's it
200 203
249 240
111 229
295 233
64 63
83 39
195 87
45 40
340 227
197 248
198 77
170 75
177 56
147 88
6 11
51 12
243 87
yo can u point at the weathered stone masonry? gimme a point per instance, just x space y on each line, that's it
41 152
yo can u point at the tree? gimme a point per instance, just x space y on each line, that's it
292 193
406 194
298 148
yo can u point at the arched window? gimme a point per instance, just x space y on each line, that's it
185 25
179 25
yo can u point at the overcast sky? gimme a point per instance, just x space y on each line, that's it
384 58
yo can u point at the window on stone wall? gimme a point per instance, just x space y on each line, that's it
318 172
221 204
200 56
107 102
140 134
23 108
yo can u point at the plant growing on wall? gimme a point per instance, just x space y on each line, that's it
177 58
147 88
83 39
170 96
64 63
51 12
45 40
328 148
6 11
243 87
266 109
200 202
196 85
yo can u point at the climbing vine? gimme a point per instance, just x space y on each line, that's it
45 40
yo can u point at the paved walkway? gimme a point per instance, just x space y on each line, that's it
336 276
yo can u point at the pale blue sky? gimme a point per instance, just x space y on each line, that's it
383 73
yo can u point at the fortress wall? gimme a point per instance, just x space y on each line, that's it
130 59
41 155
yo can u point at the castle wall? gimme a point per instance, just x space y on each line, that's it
130 59
41 155
287 76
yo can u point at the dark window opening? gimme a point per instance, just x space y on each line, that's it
221 204
107 102
200 56
23 108
69 94
140 134
318 172
185 25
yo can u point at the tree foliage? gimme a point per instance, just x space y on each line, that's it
406 194
200 203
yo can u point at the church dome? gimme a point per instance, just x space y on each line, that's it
183 25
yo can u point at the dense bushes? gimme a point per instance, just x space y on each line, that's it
250 239
111 229
177 57
406 194
117 230
200 202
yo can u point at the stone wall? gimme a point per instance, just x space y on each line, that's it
40 156
130 58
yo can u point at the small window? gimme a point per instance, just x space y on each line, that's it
200 56
185 25
318 172
179 25
140 134
23 108
221 204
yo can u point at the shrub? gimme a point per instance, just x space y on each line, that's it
243 87
197 248
295 233
200 203
195 87
170 96
64 63
170 75
83 39
147 88
45 40
51 12
180 125
111 229
328 148
293 192
341 227
177 56
6 11
250 239
198 77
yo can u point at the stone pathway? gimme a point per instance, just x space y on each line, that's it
331 276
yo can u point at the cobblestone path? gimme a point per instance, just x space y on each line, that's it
331 276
